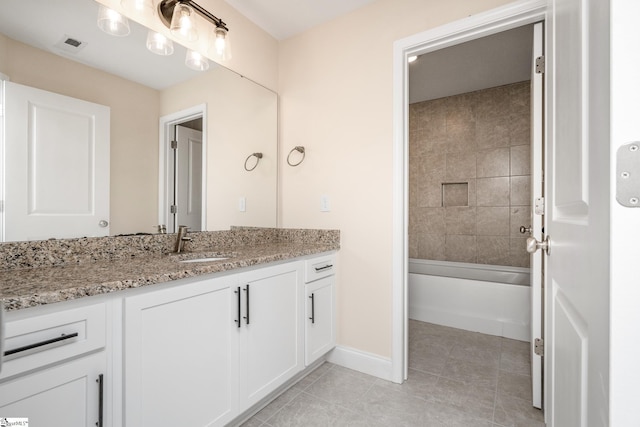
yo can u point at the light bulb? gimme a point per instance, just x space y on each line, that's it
111 22
159 44
221 44
183 24
196 61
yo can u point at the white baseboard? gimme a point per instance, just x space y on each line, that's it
361 361
497 327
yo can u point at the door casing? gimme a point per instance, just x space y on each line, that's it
491 22
164 188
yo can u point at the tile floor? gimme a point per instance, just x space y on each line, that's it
456 378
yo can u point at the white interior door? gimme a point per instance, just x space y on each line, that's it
577 216
625 220
188 178
537 130
56 165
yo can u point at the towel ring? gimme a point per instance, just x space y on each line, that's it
258 156
299 149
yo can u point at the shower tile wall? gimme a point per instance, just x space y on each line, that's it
469 178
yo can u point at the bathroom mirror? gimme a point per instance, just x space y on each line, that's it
141 88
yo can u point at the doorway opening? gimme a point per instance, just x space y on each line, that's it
457 33
182 199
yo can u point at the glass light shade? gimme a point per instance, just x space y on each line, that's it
111 22
183 23
139 7
221 47
196 61
159 44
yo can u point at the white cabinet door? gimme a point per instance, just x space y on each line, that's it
271 333
320 336
66 395
56 165
181 356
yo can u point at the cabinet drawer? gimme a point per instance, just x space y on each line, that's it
40 340
319 267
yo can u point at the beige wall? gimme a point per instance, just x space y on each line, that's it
469 176
241 120
134 126
335 86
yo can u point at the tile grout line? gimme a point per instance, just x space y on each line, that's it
495 396
302 390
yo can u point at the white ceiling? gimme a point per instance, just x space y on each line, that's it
491 61
285 18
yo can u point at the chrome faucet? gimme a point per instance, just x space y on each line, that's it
182 237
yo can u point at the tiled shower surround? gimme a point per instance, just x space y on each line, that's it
469 183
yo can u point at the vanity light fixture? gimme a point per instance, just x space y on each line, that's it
111 22
178 15
182 23
159 44
412 59
196 61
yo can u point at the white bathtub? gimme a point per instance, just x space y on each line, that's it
483 298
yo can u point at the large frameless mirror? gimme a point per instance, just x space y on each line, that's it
221 118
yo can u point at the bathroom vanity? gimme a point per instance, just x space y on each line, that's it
161 341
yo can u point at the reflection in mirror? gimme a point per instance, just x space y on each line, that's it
141 88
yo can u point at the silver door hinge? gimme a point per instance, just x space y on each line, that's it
173 209
538 208
540 65
538 347
174 145
628 175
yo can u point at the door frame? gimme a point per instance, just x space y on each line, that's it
166 123
3 78
497 20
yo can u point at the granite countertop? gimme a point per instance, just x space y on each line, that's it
29 287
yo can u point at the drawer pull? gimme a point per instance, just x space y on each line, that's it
40 344
237 292
313 309
100 382
247 303
326 267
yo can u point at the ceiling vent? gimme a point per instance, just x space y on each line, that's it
70 44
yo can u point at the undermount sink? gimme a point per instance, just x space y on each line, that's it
205 259
190 257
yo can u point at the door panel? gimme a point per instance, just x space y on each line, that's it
64 395
272 333
570 354
577 216
188 185
56 165
571 184
181 356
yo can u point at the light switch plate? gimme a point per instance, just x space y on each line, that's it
242 204
325 206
